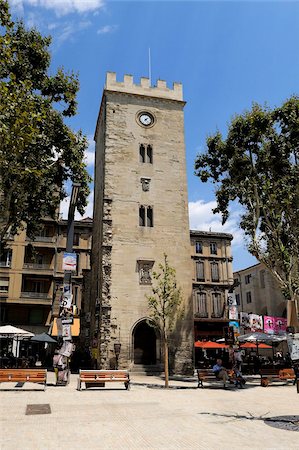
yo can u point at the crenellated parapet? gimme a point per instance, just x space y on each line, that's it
144 88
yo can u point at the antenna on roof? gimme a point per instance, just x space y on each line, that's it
149 67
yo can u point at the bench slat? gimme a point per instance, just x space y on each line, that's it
23 376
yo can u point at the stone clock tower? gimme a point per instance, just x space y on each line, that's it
140 213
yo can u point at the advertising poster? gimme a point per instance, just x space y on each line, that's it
293 344
66 332
236 327
256 322
280 325
233 313
67 297
244 320
275 325
69 261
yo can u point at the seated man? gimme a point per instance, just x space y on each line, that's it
220 371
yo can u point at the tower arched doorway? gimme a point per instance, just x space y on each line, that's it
144 344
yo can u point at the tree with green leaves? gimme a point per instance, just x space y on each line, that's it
39 153
164 305
257 166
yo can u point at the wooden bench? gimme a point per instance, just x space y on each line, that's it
23 376
268 375
100 377
208 375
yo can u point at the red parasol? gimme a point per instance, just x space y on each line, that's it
209 344
253 345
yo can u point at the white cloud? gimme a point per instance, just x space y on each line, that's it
62 7
202 218
17 6
64 208
107 29
89 153
69 29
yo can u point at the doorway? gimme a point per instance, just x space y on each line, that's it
145 344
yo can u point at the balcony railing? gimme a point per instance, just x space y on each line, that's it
44 295
43 239
36 266
5 264
201 314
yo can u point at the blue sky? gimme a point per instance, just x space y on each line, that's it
226 54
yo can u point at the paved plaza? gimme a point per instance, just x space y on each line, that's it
148 417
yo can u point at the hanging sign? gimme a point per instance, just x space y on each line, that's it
233 313
67 320
236 327
67 297
69 261
231 299
66 332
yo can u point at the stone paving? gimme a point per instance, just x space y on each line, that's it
147 418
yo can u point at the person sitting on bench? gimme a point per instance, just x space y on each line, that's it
220 371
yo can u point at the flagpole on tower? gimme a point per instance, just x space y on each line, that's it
149 67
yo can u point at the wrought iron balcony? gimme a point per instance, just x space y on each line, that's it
44 295
201 314
36 266
5 263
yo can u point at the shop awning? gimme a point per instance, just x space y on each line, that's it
75 328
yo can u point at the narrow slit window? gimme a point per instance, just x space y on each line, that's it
149 217
141 153
149 154
142 216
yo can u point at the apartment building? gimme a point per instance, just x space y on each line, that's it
258 292
31 274
212 278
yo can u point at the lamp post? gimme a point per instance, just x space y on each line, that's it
65 313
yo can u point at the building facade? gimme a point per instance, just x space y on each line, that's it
212 277
140 213
258 292
31 275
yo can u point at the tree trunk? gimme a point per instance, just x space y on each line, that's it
166 366
292 314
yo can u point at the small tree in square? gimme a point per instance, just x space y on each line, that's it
164 305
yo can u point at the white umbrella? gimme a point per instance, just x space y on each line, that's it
262 337
16 334
10 331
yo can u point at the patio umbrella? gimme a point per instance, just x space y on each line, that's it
10 331
43 337
255 345
17 334
209 344
262 337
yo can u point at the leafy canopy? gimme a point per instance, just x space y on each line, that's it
257 165
38 151
165 300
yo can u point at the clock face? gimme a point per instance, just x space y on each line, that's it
146 119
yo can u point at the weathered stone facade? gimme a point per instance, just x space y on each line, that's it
140 213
